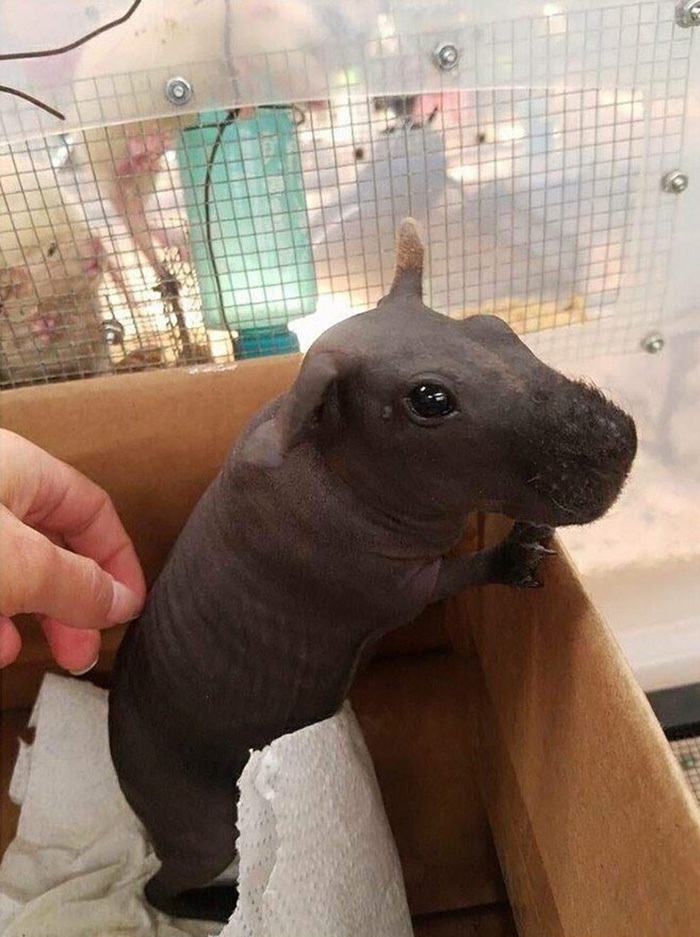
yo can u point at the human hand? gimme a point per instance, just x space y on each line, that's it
64 556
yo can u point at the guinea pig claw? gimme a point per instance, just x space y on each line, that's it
539 550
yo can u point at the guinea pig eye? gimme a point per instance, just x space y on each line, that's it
431 401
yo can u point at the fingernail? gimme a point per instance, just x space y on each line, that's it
125 606
81 673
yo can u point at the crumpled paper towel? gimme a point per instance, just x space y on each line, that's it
316 853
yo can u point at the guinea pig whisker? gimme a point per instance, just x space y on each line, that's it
562 507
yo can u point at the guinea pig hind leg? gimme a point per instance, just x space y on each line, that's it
190 863
194 837
213 903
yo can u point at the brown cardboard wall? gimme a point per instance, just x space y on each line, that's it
494 921
417 715
597 833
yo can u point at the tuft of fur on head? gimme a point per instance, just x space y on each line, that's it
409 249
409 256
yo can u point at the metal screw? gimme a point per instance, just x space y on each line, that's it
688 14
113 332
178 91
446 56
653 343
675 181
60 150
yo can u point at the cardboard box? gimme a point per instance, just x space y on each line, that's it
521 766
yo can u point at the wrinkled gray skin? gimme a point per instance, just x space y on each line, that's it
328 526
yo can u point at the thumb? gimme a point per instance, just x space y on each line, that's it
38 576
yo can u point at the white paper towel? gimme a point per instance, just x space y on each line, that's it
316 853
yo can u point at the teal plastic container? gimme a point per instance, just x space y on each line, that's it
250 238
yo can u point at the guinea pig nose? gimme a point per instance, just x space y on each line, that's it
620 433
629 437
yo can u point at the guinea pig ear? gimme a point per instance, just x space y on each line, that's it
408 278
270 442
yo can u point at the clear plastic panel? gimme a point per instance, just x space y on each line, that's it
251 52
534 167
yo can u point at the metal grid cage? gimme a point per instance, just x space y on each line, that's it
687 751
203 237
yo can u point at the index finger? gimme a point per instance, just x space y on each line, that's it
48 494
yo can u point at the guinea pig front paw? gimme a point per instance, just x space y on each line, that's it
519 555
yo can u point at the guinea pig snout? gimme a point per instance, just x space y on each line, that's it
592 447
607 435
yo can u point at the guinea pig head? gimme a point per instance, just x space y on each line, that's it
422 415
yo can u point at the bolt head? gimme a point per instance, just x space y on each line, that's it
113 332
688 14
675 182
653 343
679 184
446 56
178 91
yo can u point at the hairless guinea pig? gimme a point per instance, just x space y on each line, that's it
329 525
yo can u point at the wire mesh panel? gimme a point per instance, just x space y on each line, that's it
687 751
533 166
